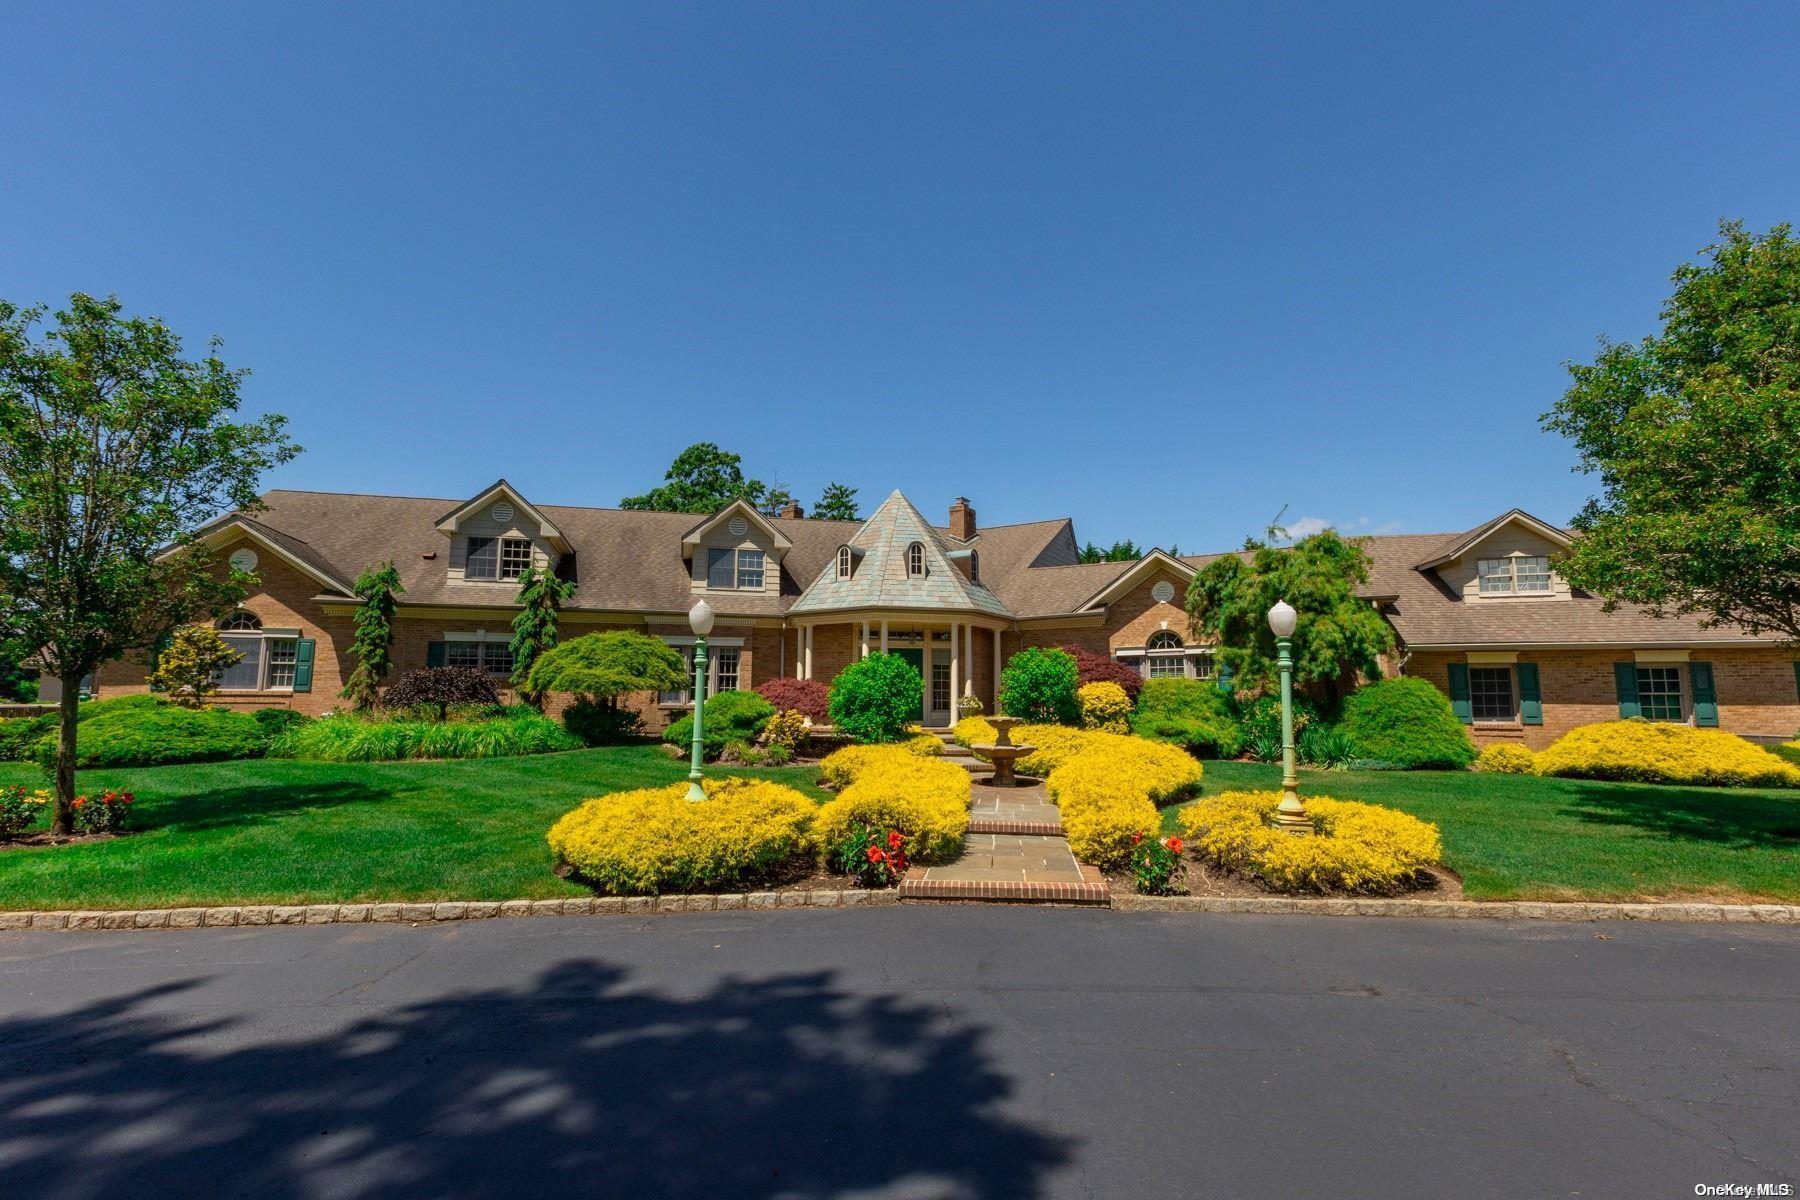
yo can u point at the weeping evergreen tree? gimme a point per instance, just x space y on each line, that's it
379 589
534 629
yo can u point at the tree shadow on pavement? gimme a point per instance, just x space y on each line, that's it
574 1083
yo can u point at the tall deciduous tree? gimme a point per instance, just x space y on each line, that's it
702 479
378 589
1339 636
113 447
534 630
1695 435
837 503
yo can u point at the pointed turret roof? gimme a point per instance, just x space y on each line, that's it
880 579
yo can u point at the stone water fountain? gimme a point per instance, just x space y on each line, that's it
1002 753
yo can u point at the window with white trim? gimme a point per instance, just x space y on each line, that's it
499 559
1164 656
1659 693
493 657
843 562
722 664
915 559
1491 694
268 661
750 570
735 570
1516 574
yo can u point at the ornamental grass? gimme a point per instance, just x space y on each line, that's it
656 840
1360 848
1659 752
354 738
890 788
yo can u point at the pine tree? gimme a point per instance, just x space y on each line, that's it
837 503
378 588
534 629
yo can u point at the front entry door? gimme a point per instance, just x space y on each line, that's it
915 657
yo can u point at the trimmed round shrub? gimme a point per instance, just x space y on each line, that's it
151 733
1408 722
277 721
1190 713
1658 752
1361 848
728 717
1039 685
1108 787
1504 758
973 731
1098 668
808 697
657 840
886 787
353 737
438 689
1104 706
876 699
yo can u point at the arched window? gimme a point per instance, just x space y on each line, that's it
267 661
1165 656
843 562
975 566
241 622
915 559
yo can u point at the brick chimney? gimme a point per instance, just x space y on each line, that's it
793 512
962 520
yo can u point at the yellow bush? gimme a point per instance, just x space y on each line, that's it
1103 812
1657 752
786 729
841 767
973 731
1104 706
926 745
1356 847
656 840
1056 745
1504 758
925 799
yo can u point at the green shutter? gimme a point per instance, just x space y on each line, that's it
303 664
1459 693
1706 698
1531 701
1625 680
434 654
1797 679
1225 677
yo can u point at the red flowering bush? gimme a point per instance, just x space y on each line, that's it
105 813
1097 668
1153 864
874 860
808 697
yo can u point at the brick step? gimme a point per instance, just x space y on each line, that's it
1090 892
1014 825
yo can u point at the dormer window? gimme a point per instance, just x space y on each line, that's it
974 566
915 560
843 562
1517 574
735 570
502 559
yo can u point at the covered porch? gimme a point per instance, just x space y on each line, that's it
954 653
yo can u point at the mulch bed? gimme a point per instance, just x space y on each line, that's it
1202 879
46 838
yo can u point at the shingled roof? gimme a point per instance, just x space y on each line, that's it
881 579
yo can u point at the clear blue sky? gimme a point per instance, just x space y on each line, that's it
1163 270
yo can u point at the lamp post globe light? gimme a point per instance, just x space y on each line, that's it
700 620
1290 814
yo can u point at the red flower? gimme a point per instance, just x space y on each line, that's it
1174 844
876 854
79 802
895 841
1137 837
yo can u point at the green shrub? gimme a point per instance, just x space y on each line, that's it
1789 751
1190 713
876 698
1260 720
141 731
1406 721
19 736
598 723
355 738
728 717
276 721
1040 686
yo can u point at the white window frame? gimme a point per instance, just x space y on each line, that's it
915 560
732 647
513 547
247 627
844 562
1682 692
742 578
1507 570
1196 661
487 646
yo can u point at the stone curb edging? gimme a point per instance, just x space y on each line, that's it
442 910
1509 910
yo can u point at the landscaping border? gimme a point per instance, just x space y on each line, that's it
417 913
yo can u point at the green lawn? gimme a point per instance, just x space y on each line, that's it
1520 837
283 832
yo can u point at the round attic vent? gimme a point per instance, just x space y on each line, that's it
738 526
243 560
1163 592
502 511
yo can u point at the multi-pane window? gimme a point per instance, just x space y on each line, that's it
495 658
497 558
1659 693
940 682
721 673
283 654
268 663
843 562
1491 693
724 669
915 559
735 569
1519 573
245 675
1166 658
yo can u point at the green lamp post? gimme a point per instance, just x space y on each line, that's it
1290 814
700 620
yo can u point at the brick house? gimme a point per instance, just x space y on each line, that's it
1481 614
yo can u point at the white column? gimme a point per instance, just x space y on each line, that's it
925 663
968 687
996 696
865 640
808 631
884 635
956 640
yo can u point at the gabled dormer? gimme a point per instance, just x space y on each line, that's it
736 551
1506 559
497 536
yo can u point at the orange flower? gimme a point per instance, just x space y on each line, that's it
1174 844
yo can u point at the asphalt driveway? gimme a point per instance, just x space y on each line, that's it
955 1052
